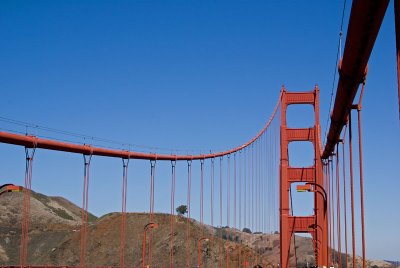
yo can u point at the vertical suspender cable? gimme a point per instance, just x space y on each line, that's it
220 210
249 187
212 191
152 182
264 194
252 187
29 153
329 212
266 201
339 248
325 180
274 183
255 177
294 235
228 192
228 197
353 239
344 201
275 173
240 204
172 216
261 185
266 184
201 190
260 229
245 188
240 168
270 183
220 191
85 199
125 163
189 186
257 186
234 192
361 178
152 176
331 209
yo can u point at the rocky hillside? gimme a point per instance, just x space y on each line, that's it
55 238
52 219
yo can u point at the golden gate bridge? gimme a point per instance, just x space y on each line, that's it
247 168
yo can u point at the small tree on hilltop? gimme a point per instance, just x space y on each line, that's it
246 230
181 210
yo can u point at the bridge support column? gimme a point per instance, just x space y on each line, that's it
316 224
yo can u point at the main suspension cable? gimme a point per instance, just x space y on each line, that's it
338 56
52 144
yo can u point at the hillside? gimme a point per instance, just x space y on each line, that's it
55 237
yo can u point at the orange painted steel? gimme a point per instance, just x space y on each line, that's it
358 107
151 211
189 187
331 214
344 201
201 191
339 248
172 214
26 206
365 21
125 163
353 239
315 224
85 213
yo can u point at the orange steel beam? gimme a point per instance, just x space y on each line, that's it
302 174
33 141
365 21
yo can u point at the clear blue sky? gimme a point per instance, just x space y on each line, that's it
189 75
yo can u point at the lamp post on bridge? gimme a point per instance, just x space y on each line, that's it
307 188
